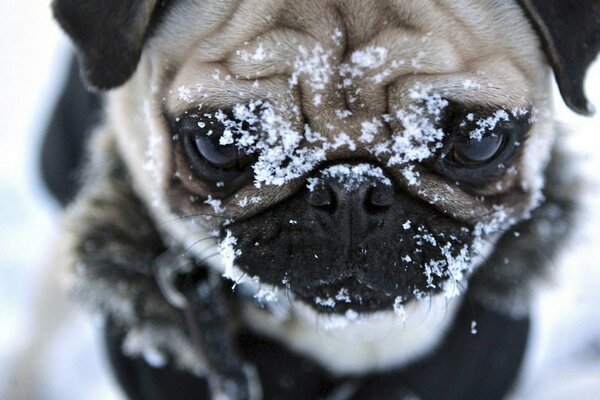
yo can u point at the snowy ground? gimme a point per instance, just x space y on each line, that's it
57 348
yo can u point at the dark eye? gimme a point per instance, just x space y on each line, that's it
210 150
478 146
476 151
225 156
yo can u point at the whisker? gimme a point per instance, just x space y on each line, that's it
185 252
567 127
203 259
187 249
289 297
239 280
510 204
189 216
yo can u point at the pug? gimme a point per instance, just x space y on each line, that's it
329 199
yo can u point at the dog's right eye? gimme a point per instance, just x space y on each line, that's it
210 151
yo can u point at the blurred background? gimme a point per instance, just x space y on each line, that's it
51 350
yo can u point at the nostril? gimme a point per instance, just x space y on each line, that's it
380 196
321 197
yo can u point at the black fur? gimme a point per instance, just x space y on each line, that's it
570 31
109 36
75 115
209 323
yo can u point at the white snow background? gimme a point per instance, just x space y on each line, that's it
51 351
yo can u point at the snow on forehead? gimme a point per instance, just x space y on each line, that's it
318 67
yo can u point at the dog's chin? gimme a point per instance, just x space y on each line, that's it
404 253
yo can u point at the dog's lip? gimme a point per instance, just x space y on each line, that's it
343 295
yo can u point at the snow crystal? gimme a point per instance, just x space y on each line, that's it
228 254
411 176
469 84
259 129
343 139
337 36
216 204
327 302
419 295
488 124
399 308
260 54
473 327
343 295
371 57
185 94
380 77
313 64
521 112
420 136
499 220
312 183
317 99
368 130
343 114
244 202
267 295
362 61
351 176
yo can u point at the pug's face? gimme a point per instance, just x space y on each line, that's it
355 155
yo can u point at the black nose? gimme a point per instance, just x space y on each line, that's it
335 193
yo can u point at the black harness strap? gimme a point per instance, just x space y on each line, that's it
208 322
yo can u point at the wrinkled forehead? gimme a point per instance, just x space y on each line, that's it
362 46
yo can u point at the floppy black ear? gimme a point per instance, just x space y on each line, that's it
108 34
570 32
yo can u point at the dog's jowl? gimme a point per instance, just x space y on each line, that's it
329 199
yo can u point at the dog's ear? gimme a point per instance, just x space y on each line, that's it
108 34
570 32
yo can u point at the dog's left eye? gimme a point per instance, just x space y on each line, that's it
207 143
480 145
476 151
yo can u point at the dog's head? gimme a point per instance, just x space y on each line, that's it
359 154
